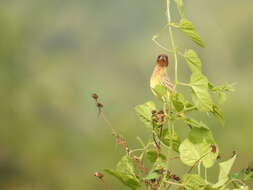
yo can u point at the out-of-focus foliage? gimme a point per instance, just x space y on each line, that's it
54 54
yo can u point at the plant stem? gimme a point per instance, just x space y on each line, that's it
206 174
173 183
172 41
199 168
161 46
171 134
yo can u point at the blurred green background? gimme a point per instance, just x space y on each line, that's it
55 53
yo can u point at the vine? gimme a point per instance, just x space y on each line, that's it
199 149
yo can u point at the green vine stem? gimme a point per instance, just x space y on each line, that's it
172 42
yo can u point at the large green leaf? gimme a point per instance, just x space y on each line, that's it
193 60
193 182
188 28
197 148
225 168
125 173
201 96
144 112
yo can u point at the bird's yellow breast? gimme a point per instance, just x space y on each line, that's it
156 76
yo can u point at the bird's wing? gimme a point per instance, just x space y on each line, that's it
165 81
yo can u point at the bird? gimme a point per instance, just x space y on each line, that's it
160 75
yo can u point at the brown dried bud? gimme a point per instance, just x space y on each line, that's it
120 140
173 176
162 116
94 96
177 178
218 157
154 118
153 112
99 175
99 105
135 158
213 148
161 112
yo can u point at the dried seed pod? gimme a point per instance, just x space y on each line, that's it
99 105
213 148
161 112
153 112
135 158
176 178
99 175
94 96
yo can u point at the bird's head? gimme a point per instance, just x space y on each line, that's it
162 60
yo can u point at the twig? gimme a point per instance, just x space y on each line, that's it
161 46
197 162
173 183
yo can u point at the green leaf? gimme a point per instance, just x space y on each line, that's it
127 180
193 61
237 175
197 147
193 182
199 83
201 96
188 28
222 97
225 168
152 156
193 123
125 173
144 112
161 91
248 175
171 140
125 165
180 7
179 102
189 155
